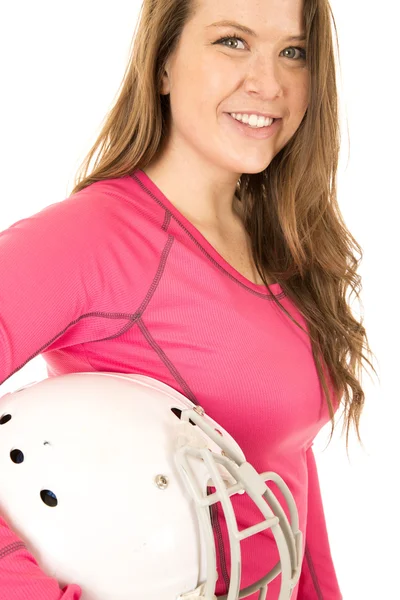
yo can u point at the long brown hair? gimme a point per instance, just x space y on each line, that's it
290 209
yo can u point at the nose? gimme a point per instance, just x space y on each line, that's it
264 77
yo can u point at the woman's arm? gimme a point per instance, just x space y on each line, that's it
318 579
20 575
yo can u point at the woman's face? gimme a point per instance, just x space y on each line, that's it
266 72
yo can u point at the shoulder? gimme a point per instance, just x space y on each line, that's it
118 204
116 222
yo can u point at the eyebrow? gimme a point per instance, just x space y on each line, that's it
249 31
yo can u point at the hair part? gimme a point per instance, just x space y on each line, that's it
290 209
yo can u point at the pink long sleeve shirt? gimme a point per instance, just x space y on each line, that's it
115 278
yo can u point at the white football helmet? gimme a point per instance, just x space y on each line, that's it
105 475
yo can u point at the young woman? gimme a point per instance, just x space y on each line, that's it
206 249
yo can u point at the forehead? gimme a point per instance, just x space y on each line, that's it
265 17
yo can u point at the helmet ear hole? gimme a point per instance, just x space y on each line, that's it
49 498
4 419
177 412
17 456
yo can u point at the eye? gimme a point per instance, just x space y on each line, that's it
302 51
221 41
228 38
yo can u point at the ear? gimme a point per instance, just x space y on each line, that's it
165 87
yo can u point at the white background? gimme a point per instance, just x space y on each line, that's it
61 65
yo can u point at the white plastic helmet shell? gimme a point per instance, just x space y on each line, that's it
89 480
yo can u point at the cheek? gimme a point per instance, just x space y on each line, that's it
198 83
210 81
198 93
299 97
304 91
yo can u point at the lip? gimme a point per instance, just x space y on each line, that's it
259 134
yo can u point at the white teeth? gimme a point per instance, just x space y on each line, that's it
253 120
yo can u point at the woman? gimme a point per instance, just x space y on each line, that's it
206 249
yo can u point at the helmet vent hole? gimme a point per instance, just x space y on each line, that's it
4 419
17 456
177 412
49 498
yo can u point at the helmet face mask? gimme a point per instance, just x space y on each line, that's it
105 477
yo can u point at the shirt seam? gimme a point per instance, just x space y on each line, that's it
202 249
131 317
313 574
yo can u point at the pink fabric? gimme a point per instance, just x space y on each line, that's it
114 278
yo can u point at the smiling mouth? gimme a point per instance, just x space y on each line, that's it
254 127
